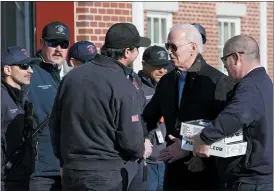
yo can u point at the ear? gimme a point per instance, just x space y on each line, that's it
42 42
236 58
143 63
127 51
71 62
7 70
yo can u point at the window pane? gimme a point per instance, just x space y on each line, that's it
164 35
225 31
232 29
220 33
149 27
156 30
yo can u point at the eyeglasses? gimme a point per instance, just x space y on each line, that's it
224 58
64 44
173 47
22 66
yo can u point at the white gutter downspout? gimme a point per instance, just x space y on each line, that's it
138 21
263 34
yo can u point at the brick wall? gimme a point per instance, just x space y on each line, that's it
270 38
205 13
93 19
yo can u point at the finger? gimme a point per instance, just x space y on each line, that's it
191 166
172 160
189 162
171 137
164 157
165 150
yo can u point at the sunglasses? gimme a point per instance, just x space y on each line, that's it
64 44
173 47
224 58
22 66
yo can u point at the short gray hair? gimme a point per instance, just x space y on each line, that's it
192 35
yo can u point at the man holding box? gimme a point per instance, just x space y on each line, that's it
249 108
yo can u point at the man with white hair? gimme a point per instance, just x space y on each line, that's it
194 90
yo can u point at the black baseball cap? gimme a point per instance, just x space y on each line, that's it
156 56
56 30
82 51
16 55
201 30
125 35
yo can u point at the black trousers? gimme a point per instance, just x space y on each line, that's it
82 180
135 181
178 177
45 183
15 185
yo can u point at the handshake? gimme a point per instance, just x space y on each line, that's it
173 153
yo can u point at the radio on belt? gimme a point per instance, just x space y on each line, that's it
227 147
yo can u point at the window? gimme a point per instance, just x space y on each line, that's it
17 25
228 27
158 25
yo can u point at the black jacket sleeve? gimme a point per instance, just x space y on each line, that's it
129 133
245 108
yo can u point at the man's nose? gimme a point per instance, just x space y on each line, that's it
30 70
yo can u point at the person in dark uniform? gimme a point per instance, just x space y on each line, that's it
116 35
15 125
249 108
81 52
42 91
155 63
95 123
193 90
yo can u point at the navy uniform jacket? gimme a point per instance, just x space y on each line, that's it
12 124
251 108
42 91
204 95
149 87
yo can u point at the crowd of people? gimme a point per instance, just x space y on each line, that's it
103 127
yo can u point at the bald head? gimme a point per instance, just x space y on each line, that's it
243 43
191 34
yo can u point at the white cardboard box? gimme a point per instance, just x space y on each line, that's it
193 127
219 149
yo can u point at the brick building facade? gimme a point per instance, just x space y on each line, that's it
92 19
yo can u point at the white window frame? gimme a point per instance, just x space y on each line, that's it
237 22
160 15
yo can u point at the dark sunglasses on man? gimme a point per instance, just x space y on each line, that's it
22 66
174 47
64 44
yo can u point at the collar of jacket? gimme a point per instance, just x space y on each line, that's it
196 66
146 80
18 95
48 66
111 63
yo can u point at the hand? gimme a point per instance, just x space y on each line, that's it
148 148
195 164
199 148
173 152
